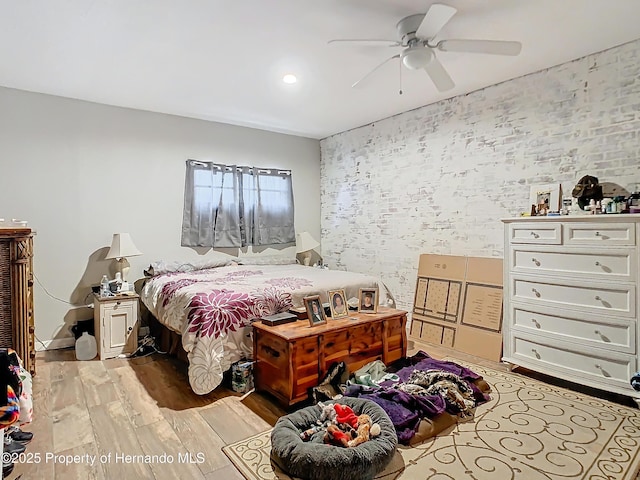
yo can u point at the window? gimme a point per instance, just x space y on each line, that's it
235 206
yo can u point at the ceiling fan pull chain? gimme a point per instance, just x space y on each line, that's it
400 66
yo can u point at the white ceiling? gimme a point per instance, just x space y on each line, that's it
223 60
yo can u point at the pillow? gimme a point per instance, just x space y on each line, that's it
266 260
161 267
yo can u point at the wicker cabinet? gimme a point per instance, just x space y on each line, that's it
17 329
294 357
571 298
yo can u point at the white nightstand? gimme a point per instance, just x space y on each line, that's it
116 324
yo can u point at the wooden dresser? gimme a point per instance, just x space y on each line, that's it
294 357
16 294
571 298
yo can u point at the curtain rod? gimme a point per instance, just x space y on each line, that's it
238 168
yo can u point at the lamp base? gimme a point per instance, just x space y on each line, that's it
123 268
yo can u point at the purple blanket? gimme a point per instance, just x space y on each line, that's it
407 410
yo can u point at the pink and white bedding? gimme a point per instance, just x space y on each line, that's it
212 308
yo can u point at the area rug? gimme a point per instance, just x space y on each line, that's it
529 430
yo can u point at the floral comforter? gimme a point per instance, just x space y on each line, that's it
212 309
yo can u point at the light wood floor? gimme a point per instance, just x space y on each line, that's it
140 406
143 406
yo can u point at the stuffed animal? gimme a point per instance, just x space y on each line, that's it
307 434
335 436
366 429
344 414
348 429
328 415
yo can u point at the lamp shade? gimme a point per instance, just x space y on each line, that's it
305 242
122 246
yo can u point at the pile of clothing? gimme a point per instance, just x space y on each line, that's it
420 387
16 406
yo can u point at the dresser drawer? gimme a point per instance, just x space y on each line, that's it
610 264
273 350
573 294
599 233
593 364
598 332
532 233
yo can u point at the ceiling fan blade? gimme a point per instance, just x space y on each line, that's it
495 47
439 75
357 84
434 20
368 42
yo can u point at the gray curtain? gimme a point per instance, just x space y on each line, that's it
232 206
273 212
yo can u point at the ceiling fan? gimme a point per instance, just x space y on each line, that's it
417 33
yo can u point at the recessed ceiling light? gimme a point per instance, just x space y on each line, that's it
289 78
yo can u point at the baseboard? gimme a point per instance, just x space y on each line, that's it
55 344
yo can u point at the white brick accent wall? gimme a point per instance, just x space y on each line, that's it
438 179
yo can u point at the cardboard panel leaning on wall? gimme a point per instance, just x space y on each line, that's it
458 304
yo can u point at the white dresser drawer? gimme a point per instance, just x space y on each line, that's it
617 264
599 332
588 296
532 233
596 365
599 233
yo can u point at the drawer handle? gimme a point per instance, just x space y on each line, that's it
597 264
603 301
602 370
535 322
536 292
118 303
271 351
536 262
535 235
535 352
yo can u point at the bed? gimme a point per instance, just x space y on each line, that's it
211 305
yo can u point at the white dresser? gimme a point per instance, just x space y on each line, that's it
571 298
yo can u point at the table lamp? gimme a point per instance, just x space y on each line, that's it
304 244
121 247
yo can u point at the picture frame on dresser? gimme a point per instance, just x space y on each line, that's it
315 311
368 300
338 303
545 198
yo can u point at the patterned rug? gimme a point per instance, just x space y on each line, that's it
529 430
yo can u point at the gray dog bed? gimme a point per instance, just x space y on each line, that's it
313 460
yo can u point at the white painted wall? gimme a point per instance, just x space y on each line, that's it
439 178
79 172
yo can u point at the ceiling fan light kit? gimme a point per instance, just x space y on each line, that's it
415 58
416 35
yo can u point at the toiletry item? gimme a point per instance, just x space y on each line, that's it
105 290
